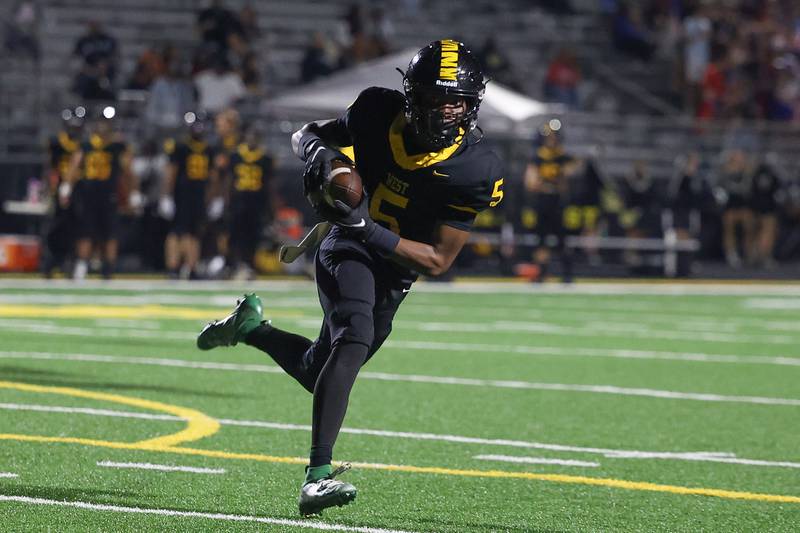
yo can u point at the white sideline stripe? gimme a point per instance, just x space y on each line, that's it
720 457
565 387
8 474
535 460
418 378
593 352
323 526
162 468
792 304
477 287
599 330
44 327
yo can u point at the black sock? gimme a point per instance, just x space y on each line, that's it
287 349
331 396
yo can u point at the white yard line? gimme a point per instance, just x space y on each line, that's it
466 287
702 456
419 378
303 524
590 331
8 475
535 460
593 352
162 468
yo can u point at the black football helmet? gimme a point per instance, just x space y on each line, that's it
442 69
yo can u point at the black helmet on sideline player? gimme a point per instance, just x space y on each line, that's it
439 74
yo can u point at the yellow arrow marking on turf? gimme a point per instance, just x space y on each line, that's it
118 311
198 425
201 425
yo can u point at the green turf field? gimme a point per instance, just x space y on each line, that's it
491 408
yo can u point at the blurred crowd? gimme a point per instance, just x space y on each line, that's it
741 205
731 58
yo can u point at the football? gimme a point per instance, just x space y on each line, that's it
343 184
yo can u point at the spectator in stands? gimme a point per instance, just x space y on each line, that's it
316 62
248 21
218 87
563 77
250 72
93 82
713 87
696 53
216 25
630 34
97 47
688 195
765 188
98 51
171 97
150 65
733 183
380 30
642 215
496 64
20 31
355 18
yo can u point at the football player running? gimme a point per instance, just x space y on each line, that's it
425 178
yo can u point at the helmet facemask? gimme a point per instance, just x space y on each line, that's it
439 119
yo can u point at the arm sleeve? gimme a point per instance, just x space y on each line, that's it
337 133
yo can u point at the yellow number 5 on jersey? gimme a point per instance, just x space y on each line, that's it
497 193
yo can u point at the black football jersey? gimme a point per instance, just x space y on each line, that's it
193 160
550 163
411 193
102 164
62 147
250 171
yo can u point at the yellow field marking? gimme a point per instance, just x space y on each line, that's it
501 474
119 311
199 425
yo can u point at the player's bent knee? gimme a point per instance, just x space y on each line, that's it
353 325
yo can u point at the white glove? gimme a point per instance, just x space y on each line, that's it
166 207
216 208
135 200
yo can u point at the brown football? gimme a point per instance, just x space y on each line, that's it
343 184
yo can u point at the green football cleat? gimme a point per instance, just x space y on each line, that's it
234 328
326 492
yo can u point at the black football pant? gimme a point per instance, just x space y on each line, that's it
359 308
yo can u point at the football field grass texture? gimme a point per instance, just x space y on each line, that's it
491 408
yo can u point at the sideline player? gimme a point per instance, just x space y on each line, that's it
59 232
547 181
101 164
251 197
184 197
427 176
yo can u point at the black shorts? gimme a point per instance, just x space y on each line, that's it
245 223
190 213
358 296
549 215
96 215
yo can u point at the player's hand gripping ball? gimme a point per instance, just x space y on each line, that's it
343 185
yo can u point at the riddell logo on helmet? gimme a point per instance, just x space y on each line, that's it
447 83
448 66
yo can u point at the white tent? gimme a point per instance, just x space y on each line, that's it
501 109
